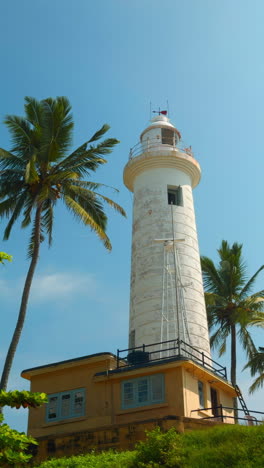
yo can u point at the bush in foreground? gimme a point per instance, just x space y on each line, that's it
232 446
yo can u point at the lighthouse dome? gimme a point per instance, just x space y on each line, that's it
161 129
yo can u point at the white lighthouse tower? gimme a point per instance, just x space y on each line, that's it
167 297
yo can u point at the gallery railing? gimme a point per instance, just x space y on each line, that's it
153 144
171 349
219 415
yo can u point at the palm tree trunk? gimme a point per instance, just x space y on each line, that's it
233 367
24 302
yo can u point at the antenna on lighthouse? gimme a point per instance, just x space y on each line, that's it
173 311
168 108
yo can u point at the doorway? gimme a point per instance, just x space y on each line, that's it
214 402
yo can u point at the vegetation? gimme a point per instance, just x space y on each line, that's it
16 399
256 365
232 446
38 172
4 256
231 307
14 445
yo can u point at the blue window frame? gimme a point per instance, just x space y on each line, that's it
143 391
64 405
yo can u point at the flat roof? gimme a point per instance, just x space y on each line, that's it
67 361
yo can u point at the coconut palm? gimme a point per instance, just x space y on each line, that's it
256 365
39 171
231 308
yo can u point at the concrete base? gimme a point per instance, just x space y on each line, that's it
117 437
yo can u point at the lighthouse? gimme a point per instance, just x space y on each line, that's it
166 295
166 377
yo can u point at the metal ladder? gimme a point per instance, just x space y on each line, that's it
241 400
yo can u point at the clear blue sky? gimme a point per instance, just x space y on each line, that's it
111 58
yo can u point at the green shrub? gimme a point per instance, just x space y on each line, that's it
222 446
232 446
108 459
160 449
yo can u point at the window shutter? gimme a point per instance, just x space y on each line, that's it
52 408
143 391
128 394
78 403
65 405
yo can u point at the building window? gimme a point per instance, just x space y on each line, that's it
175 196
65 405
201 394
167 137
143 391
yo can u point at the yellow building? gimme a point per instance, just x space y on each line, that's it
105 401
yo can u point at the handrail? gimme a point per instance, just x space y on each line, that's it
151 144
251 418
176 348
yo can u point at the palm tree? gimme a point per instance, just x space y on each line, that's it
39 171
256 365
231 308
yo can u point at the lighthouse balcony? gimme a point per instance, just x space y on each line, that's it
151 145
166 351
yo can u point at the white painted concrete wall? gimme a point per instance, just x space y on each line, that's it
152 220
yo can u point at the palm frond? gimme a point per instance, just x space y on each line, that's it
20 134
7 206
97 135
257 383
79 212
28 208
34 111
256 366
90 193
9 160
15 214
247 288
232 267
62 176
92 185
256 363
222 349
31 174
47 219
57 128
105 147
218 339
32 239
212 280
246 341
81 161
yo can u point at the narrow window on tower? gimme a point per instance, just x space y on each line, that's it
175 196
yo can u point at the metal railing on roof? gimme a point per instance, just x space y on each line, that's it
149 145
164 350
